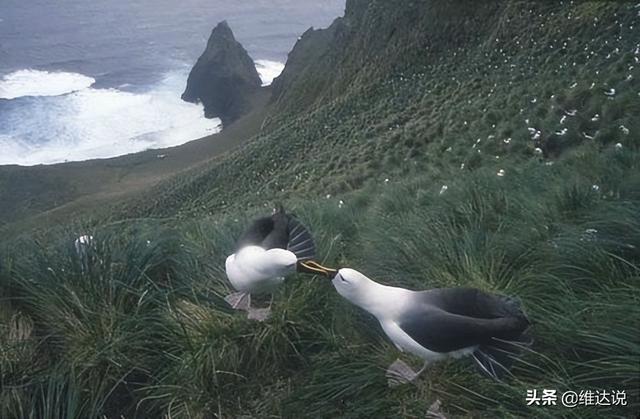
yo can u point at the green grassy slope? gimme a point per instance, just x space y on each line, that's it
364 161
430 112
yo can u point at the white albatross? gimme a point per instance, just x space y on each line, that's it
441 323
270 249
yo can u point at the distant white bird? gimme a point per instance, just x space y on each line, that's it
440 323
82 242
82 245
271 248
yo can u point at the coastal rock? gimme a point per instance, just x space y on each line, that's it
224 77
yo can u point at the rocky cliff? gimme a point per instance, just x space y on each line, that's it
224 77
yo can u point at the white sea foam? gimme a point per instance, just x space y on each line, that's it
268 70
100 123
41 83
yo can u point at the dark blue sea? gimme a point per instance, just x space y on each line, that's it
86 79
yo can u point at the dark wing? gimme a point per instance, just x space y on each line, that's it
300 240
256 233
281 230
440 331
472 302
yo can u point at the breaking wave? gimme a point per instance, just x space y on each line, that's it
84 123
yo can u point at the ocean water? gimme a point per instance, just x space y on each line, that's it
81 80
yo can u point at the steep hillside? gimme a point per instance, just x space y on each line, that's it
425 143
454 87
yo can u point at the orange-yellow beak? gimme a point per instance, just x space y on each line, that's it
313 267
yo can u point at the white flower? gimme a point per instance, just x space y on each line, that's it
624 130
595 188
443 189
507 140
549 163
328 196
462 166
534 100
618 146
501 173
448 149
572 112
610 92
386 180
537 150
587 136
564 117
562 132
340 203
595 118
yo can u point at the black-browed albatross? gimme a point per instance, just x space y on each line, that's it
440 323
270 249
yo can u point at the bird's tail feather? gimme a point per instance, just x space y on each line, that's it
300 241
496 358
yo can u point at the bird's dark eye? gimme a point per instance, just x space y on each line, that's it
343 280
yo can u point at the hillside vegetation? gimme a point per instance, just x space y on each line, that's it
485 144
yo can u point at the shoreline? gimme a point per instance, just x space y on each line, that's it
111 179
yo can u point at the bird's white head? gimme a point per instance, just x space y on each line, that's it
354 286
280 261
252 265
379 300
